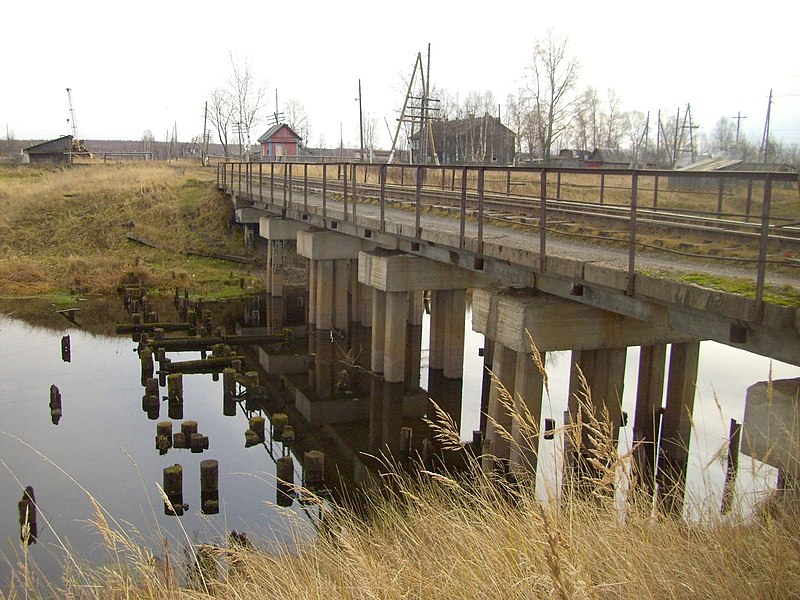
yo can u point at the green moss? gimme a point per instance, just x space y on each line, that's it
784 295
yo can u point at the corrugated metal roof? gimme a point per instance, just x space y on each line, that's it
713 163
612 155
62 144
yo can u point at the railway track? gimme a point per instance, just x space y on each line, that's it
562 214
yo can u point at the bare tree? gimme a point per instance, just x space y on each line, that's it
297 119
550 80
636 126
147 141
247 96
723 135
614 121
221 114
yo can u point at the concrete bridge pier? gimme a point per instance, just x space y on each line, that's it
330 255
598 340
281 236
676 427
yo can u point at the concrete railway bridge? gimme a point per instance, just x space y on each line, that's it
532 246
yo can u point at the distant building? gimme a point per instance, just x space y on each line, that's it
471 141
610 158
572 158
56 151
279 141
732 160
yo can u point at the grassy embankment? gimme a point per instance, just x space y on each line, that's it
63 232
440 536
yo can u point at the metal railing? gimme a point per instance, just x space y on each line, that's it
633 198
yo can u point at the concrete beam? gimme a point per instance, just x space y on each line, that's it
327 245
276 229
406 273
558 324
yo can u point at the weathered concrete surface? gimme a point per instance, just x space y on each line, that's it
557 324
771 425
276 229
327 245
406 273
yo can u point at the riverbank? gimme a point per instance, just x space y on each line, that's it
92 229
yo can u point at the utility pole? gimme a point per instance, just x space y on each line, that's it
738 118
765 137
204 151
360 120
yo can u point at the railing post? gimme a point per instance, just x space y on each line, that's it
383 175
261 182
508 182
272 182
355 188
481 176
602 186
763 246
463 218
402 175
418 202
543 221
291 184
655 194
324 189
453 181
558 185
240 178
345 169
749 200
720 191
305 187
285 191
632 243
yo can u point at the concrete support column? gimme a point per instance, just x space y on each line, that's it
375 414
413 355
416 307
504 365
275 251
395 343
525 426
365 304
341 283
392 415
378 330
439 306
312 293
604 371
647 420
325 291
486 381
354 289
454 334
676 427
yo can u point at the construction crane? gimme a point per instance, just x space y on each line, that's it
77 143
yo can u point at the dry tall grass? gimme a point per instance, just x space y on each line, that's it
66 229
471 535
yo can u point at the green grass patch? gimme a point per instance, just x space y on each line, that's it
781 295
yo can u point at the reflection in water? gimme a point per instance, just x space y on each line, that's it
307 406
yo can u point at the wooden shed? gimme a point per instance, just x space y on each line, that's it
279 141
610 158
58 151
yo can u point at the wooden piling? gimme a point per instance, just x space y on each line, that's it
406 435
163 436
313 469
55 404
198 442
257 424
179 440
229 392
209 487
28 529
734 441
173 488
288 435
175 387
279 422
188 428
285 482
66 350
146 358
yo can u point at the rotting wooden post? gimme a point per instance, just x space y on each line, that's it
229 392
313 469
179 440
734 440
173 488
209 487
28 529
406 435
258 425
288 435
279 423
285 481
146 358
198 442
66 350
188 427
175 387
55 404
163 436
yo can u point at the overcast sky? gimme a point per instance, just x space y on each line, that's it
145 65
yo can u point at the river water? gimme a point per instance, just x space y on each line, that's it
104 444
